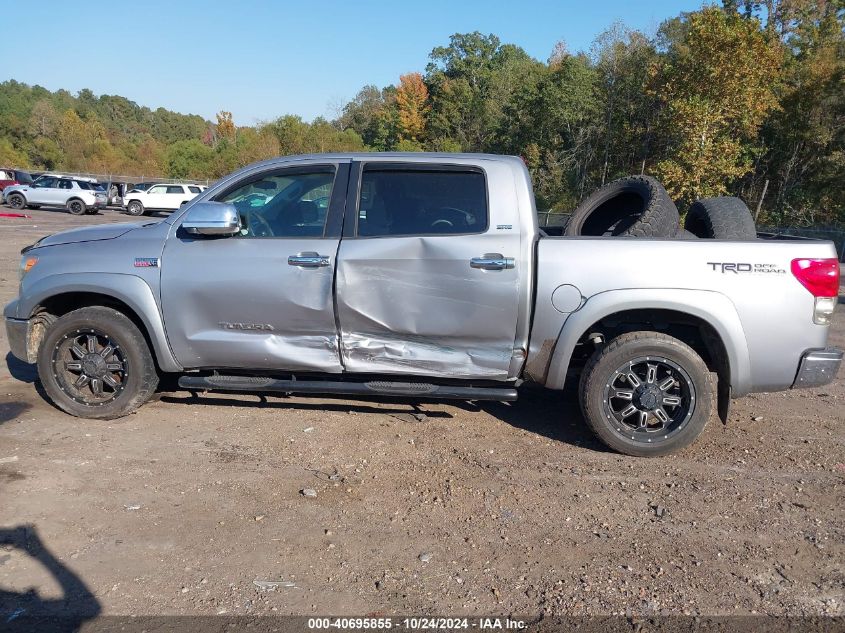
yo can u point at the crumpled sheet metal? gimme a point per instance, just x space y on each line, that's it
415 306
305 352
379 354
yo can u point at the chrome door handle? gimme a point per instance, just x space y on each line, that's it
309 260
491 261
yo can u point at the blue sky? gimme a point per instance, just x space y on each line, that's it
264 59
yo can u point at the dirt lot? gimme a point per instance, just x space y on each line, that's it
437 508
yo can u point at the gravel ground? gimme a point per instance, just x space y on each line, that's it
436 508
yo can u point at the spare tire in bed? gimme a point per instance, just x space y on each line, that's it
636 206
723 218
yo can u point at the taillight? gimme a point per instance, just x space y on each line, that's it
819 276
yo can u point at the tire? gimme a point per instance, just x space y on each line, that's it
129 365
17 201
722 218
636 206
635 353
76 207
683 234
135 208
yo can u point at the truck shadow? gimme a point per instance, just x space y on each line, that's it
27 610
20 370
397 406
552 414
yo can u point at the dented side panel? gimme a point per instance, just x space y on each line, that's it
413 305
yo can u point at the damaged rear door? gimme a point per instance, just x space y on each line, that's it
261 299
426 281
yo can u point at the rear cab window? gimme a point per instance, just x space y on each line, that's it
407 201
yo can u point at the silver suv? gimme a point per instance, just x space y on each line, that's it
76 195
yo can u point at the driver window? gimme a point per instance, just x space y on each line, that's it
289 203
396 202
44 183
157 189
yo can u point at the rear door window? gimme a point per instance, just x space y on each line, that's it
175 189
396 202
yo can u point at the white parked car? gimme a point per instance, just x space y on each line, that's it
77 195
162 197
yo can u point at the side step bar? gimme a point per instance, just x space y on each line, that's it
373 388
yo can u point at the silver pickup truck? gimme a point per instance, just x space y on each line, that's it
420 276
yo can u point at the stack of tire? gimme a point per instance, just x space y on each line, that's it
639 206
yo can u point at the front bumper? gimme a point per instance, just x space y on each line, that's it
17 333
818 368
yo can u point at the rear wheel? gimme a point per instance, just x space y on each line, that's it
135 208
95 363
646 394
76 207
17 201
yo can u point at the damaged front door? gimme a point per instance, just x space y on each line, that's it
261 299
425 284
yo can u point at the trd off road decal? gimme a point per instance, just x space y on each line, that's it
738 268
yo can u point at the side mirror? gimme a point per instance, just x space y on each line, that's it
212 218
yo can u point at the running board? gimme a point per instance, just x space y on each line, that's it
373 388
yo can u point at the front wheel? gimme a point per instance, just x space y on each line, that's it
135 208
95 363
17 201
646 394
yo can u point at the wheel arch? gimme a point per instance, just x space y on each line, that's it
60 294
678 312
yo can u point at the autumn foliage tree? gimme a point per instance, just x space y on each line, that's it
413 107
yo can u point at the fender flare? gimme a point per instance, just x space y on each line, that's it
129 289
712 307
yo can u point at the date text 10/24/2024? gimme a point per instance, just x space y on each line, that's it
417 623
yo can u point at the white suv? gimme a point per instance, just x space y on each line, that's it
77 195
163 197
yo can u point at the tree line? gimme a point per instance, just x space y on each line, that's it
745 99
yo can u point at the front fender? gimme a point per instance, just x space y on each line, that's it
712 307
130 289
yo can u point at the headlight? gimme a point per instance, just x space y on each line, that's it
27 264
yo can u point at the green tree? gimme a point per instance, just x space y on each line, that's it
716 85
190 159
